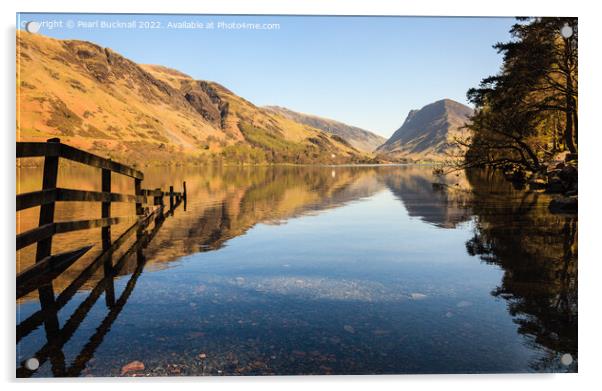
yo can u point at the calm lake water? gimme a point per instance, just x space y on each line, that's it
314 270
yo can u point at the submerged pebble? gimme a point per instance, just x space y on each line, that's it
132 366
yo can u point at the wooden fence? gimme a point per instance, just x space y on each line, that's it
48 266
46 263
56 336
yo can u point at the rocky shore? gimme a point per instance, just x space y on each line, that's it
558 176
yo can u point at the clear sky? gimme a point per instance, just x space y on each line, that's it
364 71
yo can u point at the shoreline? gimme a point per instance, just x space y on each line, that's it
185 165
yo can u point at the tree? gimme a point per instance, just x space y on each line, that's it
517 111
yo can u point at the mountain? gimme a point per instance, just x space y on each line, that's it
428 133
94 98
358 138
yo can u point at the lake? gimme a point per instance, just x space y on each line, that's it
315 270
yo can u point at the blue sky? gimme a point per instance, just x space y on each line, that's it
364 71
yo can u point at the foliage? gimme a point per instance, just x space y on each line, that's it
275 146
270 146
241 153
528 111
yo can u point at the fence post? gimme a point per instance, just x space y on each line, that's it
158 201
106 208
138 191
139 212
44 247
158 196
106 238
171 198
51 170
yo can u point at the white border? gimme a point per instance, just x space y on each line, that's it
590 271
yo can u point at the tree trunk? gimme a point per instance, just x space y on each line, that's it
555 134
575 116
568 133
535 165
570 104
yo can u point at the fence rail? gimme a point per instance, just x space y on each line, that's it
54 148
41 197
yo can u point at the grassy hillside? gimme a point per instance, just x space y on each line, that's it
360 139
98 100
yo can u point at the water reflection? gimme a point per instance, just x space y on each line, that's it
131 261
224 203
439 200
270 271
538 253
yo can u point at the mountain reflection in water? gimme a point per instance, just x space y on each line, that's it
269 271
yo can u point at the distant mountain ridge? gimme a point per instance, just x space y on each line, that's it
359 138
428 133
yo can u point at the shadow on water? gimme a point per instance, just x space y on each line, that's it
512 229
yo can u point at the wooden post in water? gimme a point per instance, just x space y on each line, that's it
158 201
51 171
138 191
139 211
106 237
106 207
44 246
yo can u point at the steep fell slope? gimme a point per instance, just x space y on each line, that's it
98 100
428 133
